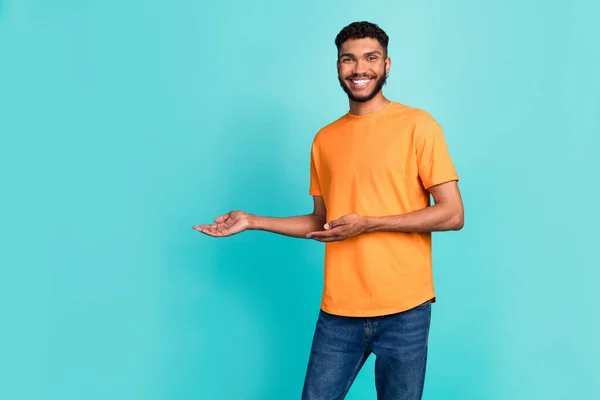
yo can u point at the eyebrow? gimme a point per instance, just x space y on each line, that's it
366 54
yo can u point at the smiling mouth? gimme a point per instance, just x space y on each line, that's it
360 83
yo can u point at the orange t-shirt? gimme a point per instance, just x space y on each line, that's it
378 164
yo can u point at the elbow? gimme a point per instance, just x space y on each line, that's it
320 219
458 222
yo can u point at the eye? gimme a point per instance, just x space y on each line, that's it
346 59
372 58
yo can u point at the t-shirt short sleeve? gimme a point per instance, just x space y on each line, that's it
433 158
314 188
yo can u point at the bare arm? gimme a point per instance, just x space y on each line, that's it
238 221
297 226
446 214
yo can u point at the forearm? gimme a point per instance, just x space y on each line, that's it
297 226
430 219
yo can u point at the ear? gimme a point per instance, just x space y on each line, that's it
388 65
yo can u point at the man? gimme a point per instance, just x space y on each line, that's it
371 175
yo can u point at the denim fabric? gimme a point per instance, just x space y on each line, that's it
341 345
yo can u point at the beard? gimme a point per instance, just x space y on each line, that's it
364 98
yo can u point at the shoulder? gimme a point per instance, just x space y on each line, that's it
420 122
329 130
413 115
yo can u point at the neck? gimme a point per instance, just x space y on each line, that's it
368 107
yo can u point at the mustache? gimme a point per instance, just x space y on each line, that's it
361 76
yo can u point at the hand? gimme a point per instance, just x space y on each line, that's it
226 225
342 228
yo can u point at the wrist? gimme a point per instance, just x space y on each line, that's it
369 224
252 222
377 224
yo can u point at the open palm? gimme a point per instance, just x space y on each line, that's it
225 225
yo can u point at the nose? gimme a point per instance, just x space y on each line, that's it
360 68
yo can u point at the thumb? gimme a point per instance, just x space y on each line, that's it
221 218
334 223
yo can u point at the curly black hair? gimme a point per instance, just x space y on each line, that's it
361 30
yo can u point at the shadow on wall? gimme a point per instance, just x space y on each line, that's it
265 288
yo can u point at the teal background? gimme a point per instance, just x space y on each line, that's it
124 123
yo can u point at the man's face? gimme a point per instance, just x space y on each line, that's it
362 68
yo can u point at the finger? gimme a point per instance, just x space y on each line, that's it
331 224
203 227
316 234
199 227
327 233
219 225
330 239
214 232
319 235
222 218
206 226
335 223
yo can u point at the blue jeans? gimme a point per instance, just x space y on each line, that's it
341 345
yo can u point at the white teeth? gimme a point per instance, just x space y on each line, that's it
361 82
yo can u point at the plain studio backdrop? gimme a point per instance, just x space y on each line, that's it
124 123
